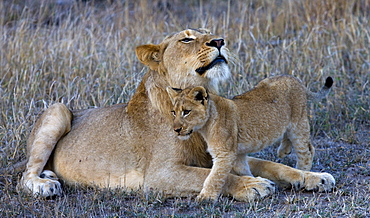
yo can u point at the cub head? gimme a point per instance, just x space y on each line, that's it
188 58
190 110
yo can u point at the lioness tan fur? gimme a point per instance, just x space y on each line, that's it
276 107
133 145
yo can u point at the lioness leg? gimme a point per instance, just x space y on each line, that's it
286 177
190 181
248 188
54 123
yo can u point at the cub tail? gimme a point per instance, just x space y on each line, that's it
323 91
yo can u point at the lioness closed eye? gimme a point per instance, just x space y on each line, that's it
274 109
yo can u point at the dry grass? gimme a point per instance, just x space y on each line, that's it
82 54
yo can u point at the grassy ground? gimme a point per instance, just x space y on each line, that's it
82 54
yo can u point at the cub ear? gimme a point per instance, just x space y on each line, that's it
172 93
200 94
149 55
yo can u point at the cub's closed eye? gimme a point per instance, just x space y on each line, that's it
186 40
173 113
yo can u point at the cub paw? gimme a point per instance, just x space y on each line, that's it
318 181
46 185
284 150
255 188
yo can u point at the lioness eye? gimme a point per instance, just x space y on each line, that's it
173 113
186 112
186 40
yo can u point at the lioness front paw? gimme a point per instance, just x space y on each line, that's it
46 185
255 188
318 181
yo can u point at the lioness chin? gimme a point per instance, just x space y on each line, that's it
250 122
132 145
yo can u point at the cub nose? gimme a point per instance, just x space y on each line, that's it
218 43
178 130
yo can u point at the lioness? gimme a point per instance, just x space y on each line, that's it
133 146
248 123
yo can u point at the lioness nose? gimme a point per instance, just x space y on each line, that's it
218 43
177 129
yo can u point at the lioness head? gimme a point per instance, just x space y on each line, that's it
190 110
188 58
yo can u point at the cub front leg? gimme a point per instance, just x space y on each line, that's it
54 123
222 145
212 187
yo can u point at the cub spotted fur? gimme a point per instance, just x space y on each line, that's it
274 109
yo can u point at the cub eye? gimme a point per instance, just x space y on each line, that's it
186 40
186 112
173 113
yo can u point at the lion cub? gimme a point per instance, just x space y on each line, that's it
275 109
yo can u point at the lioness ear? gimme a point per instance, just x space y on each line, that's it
172 92
200 94
149 55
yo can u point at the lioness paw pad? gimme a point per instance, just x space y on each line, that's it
46 185
44 188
